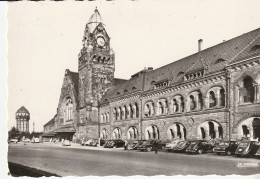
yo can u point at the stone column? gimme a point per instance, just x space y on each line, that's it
257 93
217 96
186 105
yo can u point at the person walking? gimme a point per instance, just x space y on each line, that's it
155 146
126 144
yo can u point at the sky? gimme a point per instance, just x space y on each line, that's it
44 39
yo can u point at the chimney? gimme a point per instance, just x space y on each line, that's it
200 44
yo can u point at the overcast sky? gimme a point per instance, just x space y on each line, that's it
45 39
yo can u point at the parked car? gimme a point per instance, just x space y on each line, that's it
200 146
149 145
132 145
13 141
227 147
182 146
247 148
27 140
66 143
114 143
88 142
170 145
36 140
96 142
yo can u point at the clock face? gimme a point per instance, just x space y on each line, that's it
100 41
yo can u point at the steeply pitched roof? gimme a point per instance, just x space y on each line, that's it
227 51
50 122
22 110
94 21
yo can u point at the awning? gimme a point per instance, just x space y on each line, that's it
50 134
65 130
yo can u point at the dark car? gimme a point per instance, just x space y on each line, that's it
95 142
247 148
200 146
150 145
227 147
182 146
132 145
258 152
114 143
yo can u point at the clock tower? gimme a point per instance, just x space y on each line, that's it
96 66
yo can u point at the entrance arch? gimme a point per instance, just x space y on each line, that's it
176 131
249 128
132 133
210 130
152 132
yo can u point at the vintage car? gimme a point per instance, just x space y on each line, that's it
88 142
170 145
182 146
150 145
36 140
199 147
227 147
247 148
114 143
27 140
13 141
95 142
132 145
66 143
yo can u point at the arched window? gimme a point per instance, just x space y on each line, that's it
192 102
115 113
152 132
117 133
178 131
222 97
212 133
212 99
203 134
131 111
68 112
247 91
125 109
104 134
182 104
160 108
136 110
175 106
245 131
200 102
132 133
172 133
147 110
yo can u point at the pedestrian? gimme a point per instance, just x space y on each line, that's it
126 144
155 146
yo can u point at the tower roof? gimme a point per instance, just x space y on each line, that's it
22 110
94 21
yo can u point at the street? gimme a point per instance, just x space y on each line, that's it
79 160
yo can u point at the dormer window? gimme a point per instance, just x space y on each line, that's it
162 84
125 91
118 93
180 73
256 47
193 75
220 60
134 88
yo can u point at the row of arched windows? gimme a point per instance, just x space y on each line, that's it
104 117
247 91
126 112
215 98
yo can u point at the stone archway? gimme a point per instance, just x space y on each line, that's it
249 128
209 130
176 131
152 132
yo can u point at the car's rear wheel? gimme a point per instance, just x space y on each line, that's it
229 153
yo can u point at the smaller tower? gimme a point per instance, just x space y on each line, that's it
22 119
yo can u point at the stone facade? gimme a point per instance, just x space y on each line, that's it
214 93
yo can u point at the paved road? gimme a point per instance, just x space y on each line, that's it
82 161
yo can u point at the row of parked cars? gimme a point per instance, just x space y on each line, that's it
26 140
239 148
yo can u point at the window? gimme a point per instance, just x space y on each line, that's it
192 103
160 108
222 97
247 91
220 60
175 106
212 99
180 73
256 47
